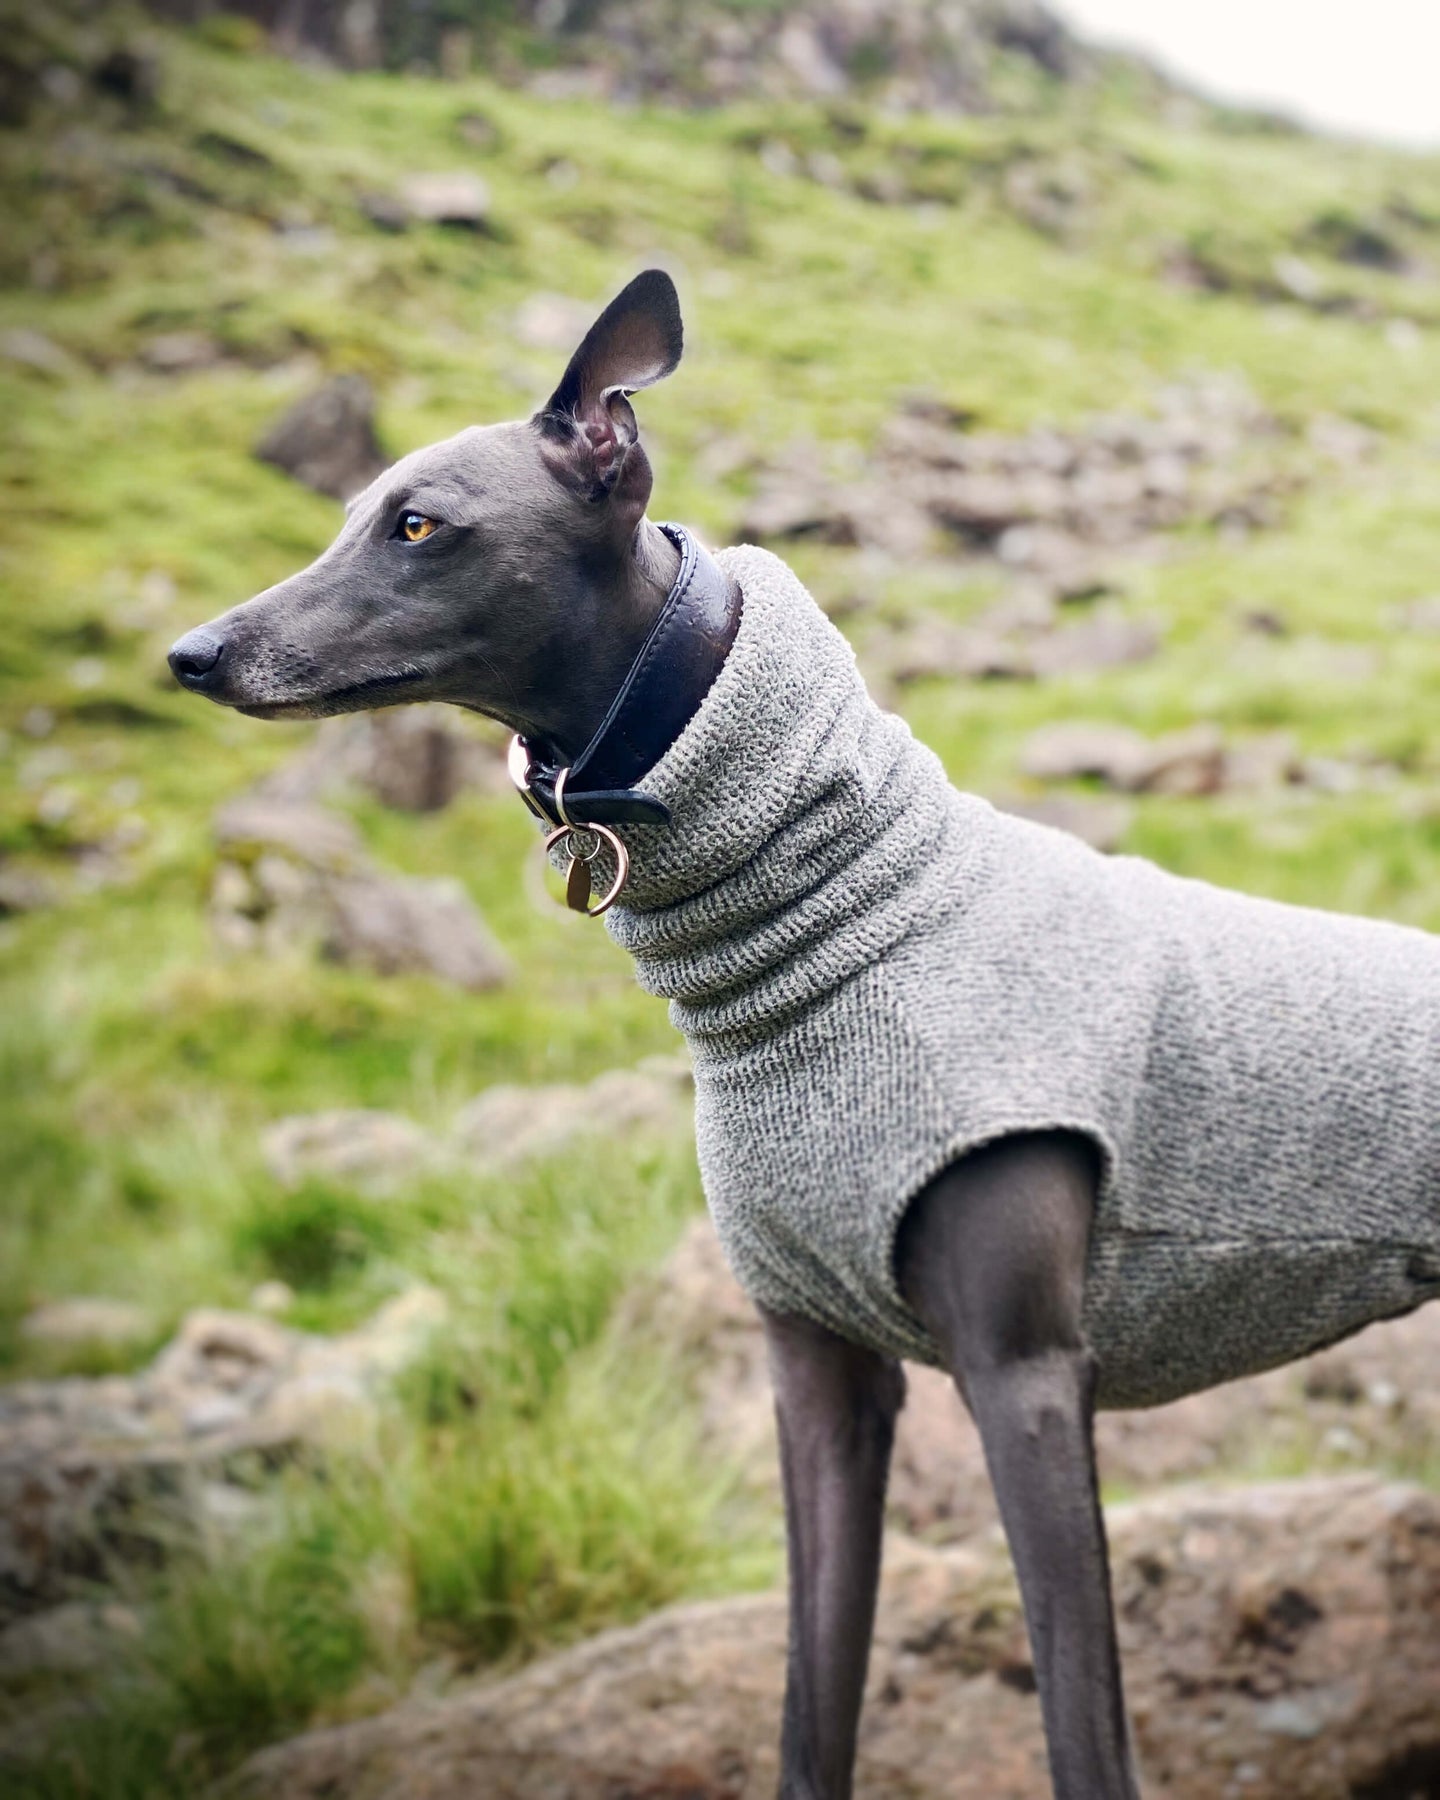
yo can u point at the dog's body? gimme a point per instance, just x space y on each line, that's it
942 1111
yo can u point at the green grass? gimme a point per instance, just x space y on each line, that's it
538 1476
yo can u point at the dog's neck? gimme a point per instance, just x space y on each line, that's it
605 631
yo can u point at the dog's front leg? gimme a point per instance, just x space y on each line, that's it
991 1256
836 1407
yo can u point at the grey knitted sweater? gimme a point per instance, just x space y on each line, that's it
876 973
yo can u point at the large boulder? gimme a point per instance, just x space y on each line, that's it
1278 1641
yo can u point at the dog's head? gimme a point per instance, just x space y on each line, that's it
472 570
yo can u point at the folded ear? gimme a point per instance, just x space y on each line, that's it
637 340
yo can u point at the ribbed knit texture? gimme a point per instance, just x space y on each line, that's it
877 973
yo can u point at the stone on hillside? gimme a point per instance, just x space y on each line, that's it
1422 615
99 1472
1051 503
796 505
1278 1641
1098 821
931 648
1074 748
398 926
1256 764
1104 642
373 1151
296 878
388 211
1182 762
507 1123
447 197
31 349
87 1320
179 352
1186 762
553 322
414 758
327 439
255 823
25 890
75 1638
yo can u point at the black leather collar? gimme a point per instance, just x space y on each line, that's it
679 660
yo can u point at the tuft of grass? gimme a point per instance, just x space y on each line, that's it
481 1545
313 1235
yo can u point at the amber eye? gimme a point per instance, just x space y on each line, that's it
413 526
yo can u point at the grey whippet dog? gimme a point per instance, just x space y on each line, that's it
512 570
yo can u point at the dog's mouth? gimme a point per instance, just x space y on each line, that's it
352 698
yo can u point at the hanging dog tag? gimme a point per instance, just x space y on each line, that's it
582 845
577 885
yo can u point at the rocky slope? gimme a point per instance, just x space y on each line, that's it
965 55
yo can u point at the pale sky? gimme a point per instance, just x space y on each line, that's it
1365 66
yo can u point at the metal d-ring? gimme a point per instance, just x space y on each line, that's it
603 832
560 781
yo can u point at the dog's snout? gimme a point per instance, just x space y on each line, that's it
196 657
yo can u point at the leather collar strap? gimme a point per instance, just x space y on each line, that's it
681 657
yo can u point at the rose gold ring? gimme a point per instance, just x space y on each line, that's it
617 848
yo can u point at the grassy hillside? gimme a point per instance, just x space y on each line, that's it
1029 269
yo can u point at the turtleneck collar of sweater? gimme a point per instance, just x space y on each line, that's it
808 831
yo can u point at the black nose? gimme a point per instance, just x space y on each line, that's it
196 657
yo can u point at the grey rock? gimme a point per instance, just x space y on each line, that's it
1288 1631
179 352
1113 753
1054 504
1098 821
553 322
1104 642
327 439
24 889
321 840
1259 764
31 349
75 1638
88 1320
388 211
447 197
407 926
505 1124
295 877
374 1151
1182 762
414 758
97 1472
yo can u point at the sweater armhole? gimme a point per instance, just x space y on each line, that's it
949 1148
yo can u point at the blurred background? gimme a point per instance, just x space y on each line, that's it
362 1341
